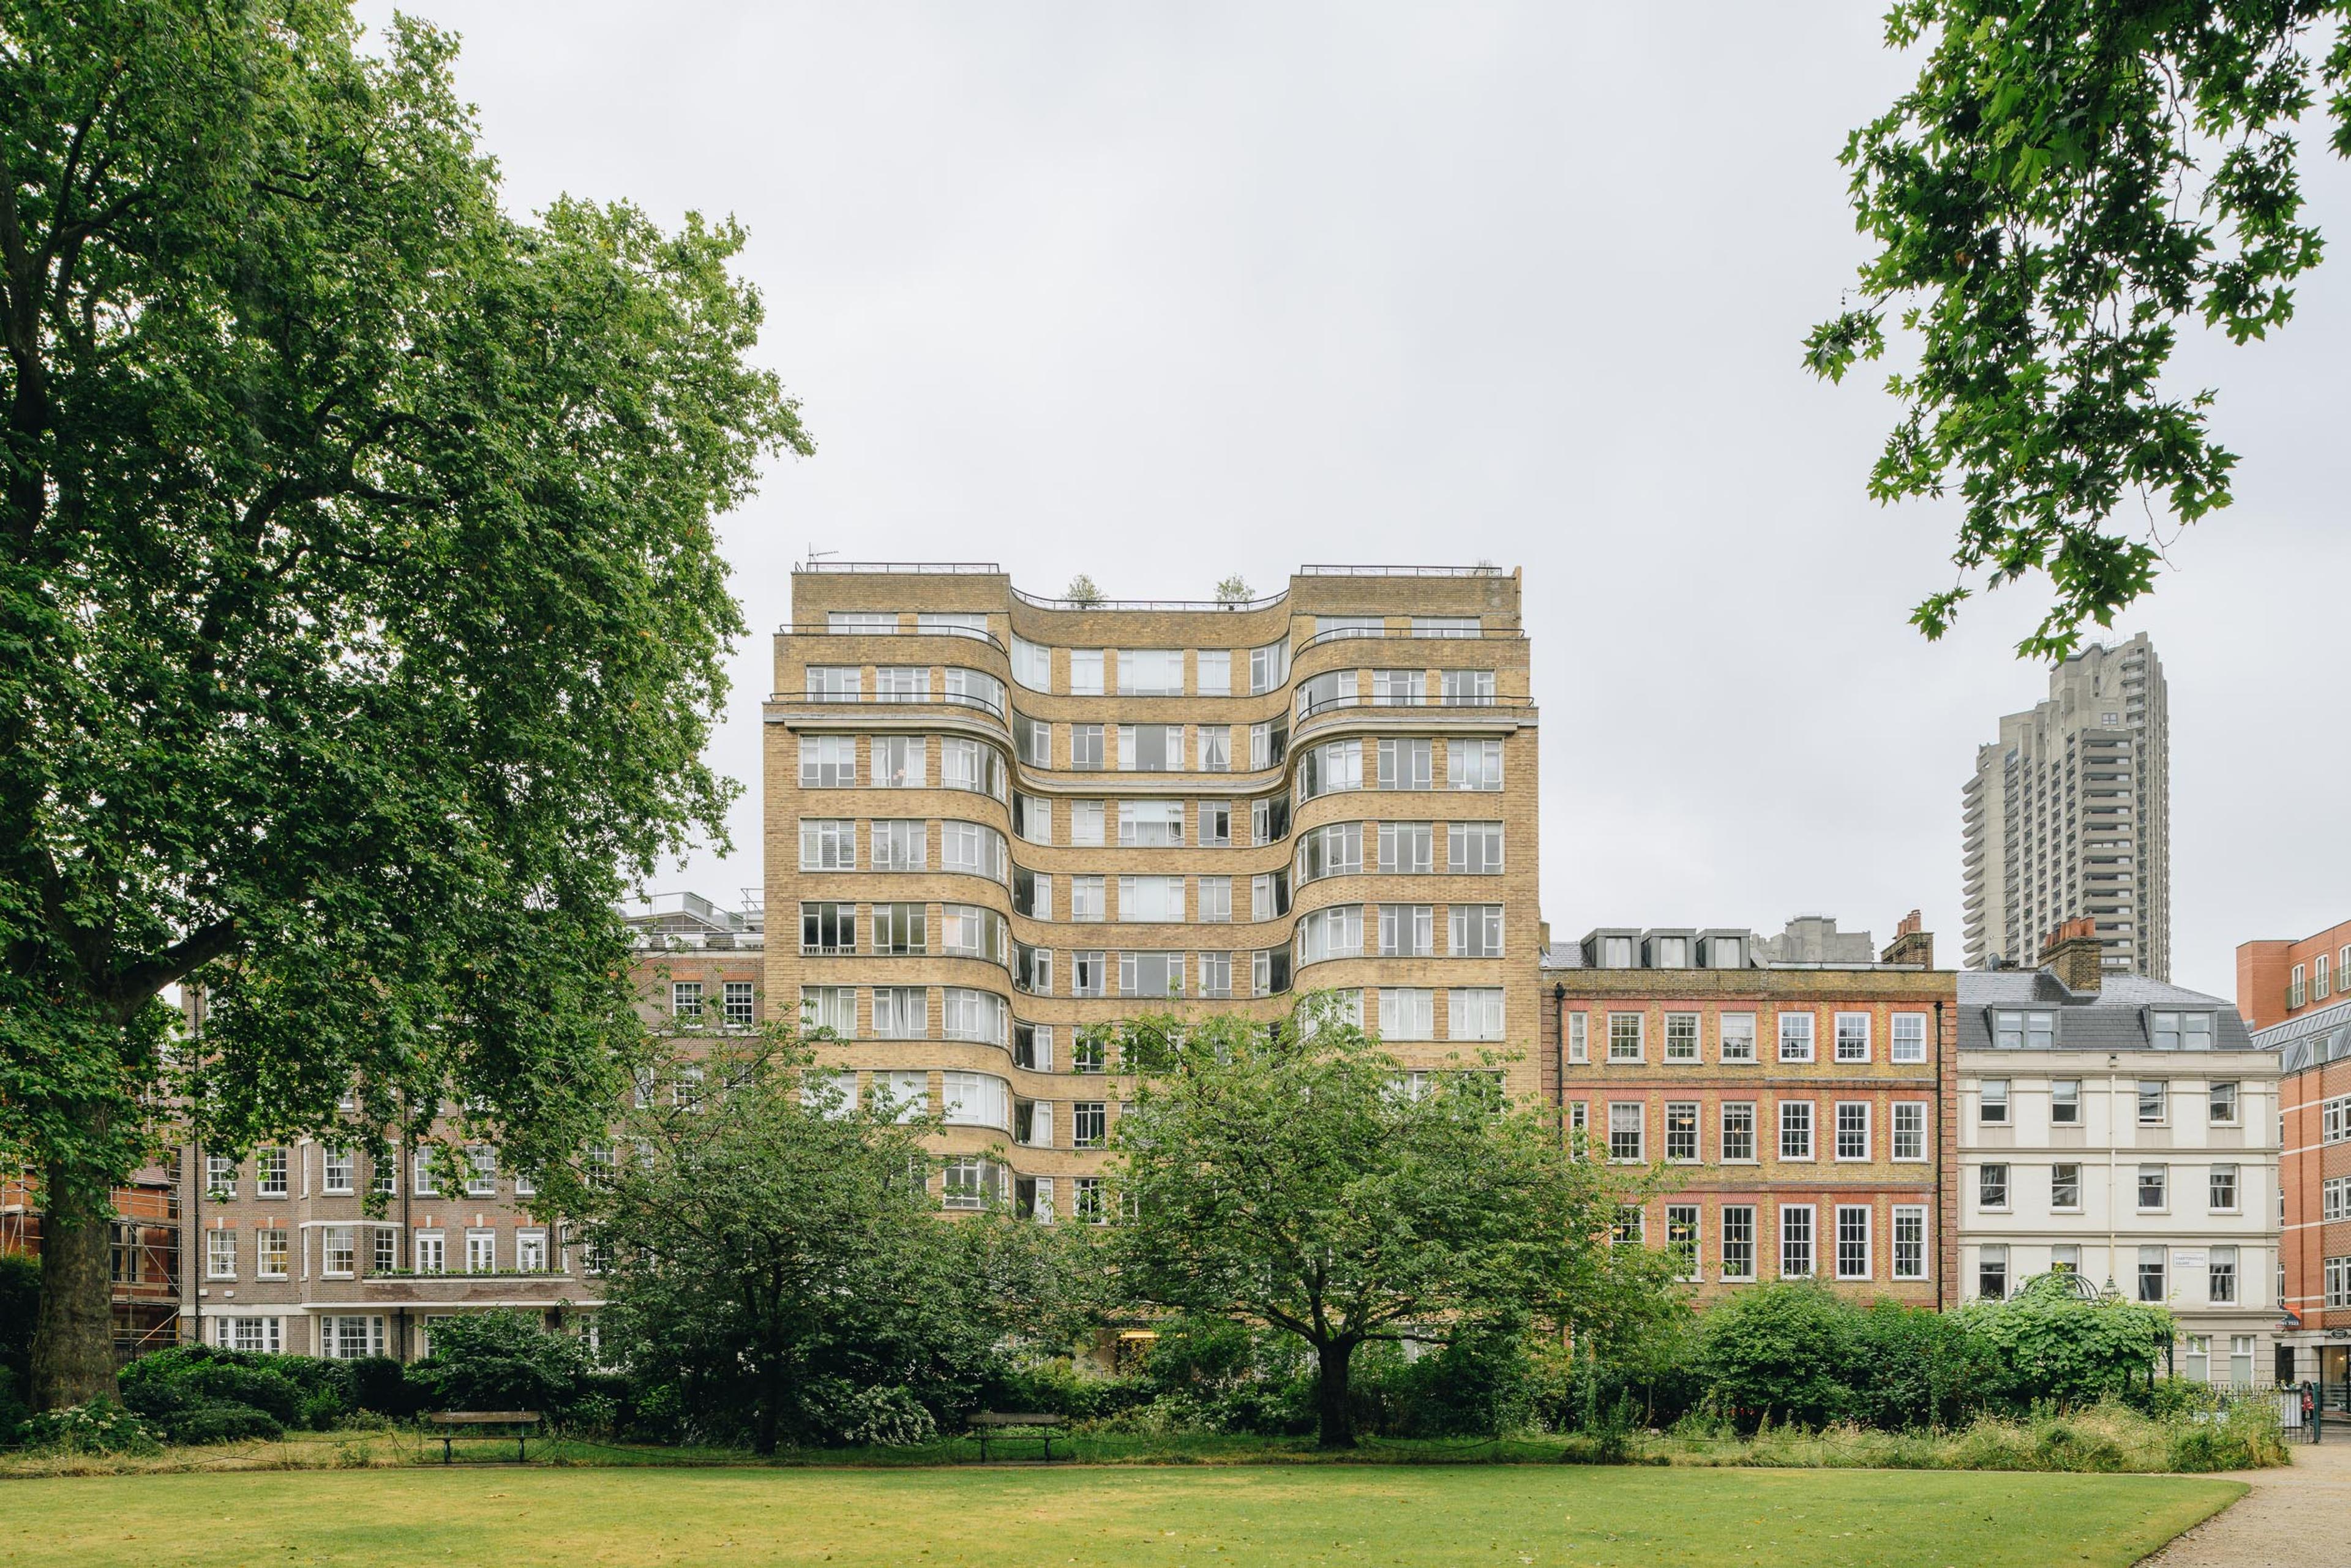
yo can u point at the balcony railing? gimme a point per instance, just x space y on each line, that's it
1202 605
1435 633
825 629
953 699
903 568
1329 570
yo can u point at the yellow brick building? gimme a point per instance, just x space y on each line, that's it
994 819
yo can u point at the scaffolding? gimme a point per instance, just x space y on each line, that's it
144 1266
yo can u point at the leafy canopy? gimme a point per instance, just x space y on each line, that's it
2066 181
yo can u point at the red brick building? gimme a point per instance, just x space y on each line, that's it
146 1261
1797 1088
2293 995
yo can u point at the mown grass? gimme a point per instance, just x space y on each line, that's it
1415 1518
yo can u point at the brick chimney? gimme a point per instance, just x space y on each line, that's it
1910 945
2075 955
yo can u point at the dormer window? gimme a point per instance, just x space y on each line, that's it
1723 951
2180 1032
1671 952
2024 1030
1615 952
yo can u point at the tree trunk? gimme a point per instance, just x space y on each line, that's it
1338 1421
73 1339
772 1397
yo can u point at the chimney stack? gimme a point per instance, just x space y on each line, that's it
2075 955
1910 945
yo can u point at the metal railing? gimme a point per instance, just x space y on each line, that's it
825 629
898 699
1329 705
1042 601
903 568
1331 569
1433 633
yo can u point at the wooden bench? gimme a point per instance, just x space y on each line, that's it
522 1421
994 1423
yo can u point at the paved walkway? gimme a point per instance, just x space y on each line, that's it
2293 1518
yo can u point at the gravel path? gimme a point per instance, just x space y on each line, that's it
2293 1518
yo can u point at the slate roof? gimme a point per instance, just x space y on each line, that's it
2321 1035
2112 1019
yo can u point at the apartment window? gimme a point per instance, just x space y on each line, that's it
2152 1180
1032 665
1085 821
1578 1122
2220 1277
2066 1186
1408 1012
1681 1239
598 1167
481 1171
901 930
827 928
1151 898
900 1012
1334 766
1086 747
1332 689
1215 818
1268 818
2066 1257
339 1252
1795 1129
220 1254
1681 1132
828 843
1269 743
1269 668
1738 1035
901 762
1909 1038
1474 1012
1852 1241
1853 1037
1336 932
1473 764
1681 1036
1738 1133
262 1336
1992 1103
1991 1185
1625 1133
430 1252
269 1172
1086 672
2151 1102
1033 740
383 1252
220 1178
1909 1242
425 1181
974 1099
1629 1227
1216 896
338 1172
1473 848
1150 747
2150 1274
1398 688
1477 930
1404 765
530 1251
1795 1037
2221 1194
833 682
2336 1120
685 999
1406 930
2338 1281
970 847
1853 1130
1796 1241
1089 1123
1909 1130
969 1014
1625 1036
828 761
1086 1203
1334 851
2181 1031
269 1256
1405 849
1467 688
2222 1106
1214 667
1579 1037
1991 1272
1146 823
960 766
1739 1241
2066 1103
898 845
2024 1030
1216 974
829 1010
1088 975
1150 673
737 1003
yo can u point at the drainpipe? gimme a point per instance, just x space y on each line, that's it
1559 1055
2114 1193
1948 1179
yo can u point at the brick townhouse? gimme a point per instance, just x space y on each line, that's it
1796 1089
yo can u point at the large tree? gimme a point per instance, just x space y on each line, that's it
779 1269
360 619
2066 183
1300 1179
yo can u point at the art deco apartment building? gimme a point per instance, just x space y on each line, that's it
2069 815
2294 996
998 818
281 1251
2124 1131
1796 1089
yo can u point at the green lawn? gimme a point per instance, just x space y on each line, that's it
1508 1515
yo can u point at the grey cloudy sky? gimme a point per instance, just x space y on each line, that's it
1162 293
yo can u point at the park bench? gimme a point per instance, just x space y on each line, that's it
522 1421
996 1424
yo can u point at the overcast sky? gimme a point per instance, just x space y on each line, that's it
1161 293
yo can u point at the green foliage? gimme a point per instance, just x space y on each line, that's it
1779 1352
202 1394
1082 592
13 1409
1913 1368
1281 1176
99 1427
20 1299
778 1258
1234 589
2048 1343
366 622
2064 184
2248 1436
224 1423
502 1361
